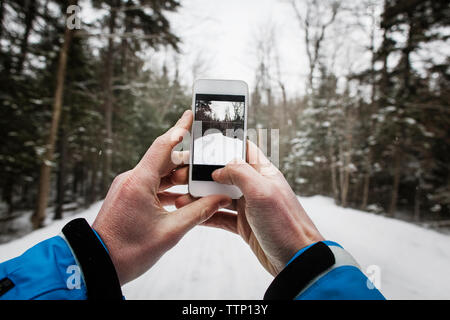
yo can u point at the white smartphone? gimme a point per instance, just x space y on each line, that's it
218 133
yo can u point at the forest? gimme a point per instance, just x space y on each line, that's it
79 105
227 111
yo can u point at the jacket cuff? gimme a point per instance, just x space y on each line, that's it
300 272
98 269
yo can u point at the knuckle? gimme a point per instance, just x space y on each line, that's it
178 202
268 194
233 170
129 187
119 177
117 181
204 214
274 193
159 141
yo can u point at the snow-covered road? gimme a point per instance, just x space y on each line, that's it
213 264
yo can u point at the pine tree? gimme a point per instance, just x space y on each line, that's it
45 173
141 29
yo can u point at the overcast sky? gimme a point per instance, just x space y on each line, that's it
223 34
219 109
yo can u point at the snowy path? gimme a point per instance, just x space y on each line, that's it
213 264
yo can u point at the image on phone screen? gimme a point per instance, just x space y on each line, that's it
218 133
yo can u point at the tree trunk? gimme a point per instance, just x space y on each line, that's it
332 158
341 170
108 106
417 196
346 158
345 185
366 181
365 196
29 19
417 204
83 175
92 194
61 182
24 196
395 184
77 180
384 83
7 193
373 85
44 179
2 14
283 125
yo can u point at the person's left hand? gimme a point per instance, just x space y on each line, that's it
133 223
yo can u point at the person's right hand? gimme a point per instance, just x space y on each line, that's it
269 216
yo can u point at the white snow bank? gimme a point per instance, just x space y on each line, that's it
213 264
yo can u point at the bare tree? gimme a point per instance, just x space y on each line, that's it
315 20
272 100
265 44
200 65
371 30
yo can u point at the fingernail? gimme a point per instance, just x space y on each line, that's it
185 113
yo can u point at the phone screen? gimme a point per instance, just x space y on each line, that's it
218 133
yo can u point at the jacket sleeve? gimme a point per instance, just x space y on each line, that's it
72 266
322 271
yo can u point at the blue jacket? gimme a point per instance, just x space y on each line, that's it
76 265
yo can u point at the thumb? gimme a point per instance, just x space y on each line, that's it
240 174
199 211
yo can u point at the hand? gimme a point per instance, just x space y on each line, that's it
269 216
132 222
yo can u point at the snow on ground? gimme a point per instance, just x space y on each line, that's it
213 264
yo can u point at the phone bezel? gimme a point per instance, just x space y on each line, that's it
225 87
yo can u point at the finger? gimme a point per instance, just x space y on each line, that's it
198 211
242 175
158 158
223 220
177 177
168 198
257 159
186 199
255 156
180 158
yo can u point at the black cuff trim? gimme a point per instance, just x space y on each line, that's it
296 275
98 269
